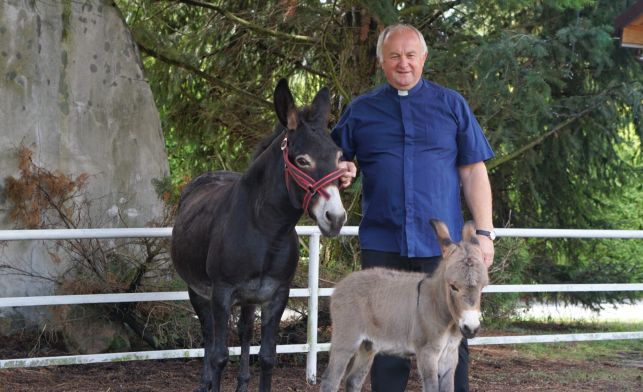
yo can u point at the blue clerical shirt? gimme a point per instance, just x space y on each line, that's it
409 148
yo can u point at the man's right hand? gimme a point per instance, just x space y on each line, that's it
351 171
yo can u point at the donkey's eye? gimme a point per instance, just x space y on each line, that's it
302 161
453 288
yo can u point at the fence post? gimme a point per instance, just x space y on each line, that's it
313 304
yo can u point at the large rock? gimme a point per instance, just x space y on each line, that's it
72 89
88 330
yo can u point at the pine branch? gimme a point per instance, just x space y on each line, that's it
204 75
326 55
298 63
541 138
440 9
250 26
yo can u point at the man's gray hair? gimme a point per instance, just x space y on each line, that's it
394 28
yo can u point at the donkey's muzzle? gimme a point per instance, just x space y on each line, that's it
469 323
469 332
329 213
333 223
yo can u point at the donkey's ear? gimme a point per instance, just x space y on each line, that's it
320 108
442 232
469 232
285 105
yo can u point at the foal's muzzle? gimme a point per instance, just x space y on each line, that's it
469 323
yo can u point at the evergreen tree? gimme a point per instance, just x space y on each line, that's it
560 101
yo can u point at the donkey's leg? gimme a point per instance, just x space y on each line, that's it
361 365
340 360
270 317
244 329
447 381
446 369
221 303
427 362
201 306
345 343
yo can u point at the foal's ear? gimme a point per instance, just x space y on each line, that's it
442 232
320 108
285 105
469 232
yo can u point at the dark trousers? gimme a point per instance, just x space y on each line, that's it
391 373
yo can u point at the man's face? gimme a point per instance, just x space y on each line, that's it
403 59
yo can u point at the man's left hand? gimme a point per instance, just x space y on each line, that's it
486 245
349 175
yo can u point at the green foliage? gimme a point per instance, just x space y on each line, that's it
560 101
580 351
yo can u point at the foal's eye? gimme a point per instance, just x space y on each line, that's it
453 288
302 162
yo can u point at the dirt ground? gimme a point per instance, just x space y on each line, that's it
493 368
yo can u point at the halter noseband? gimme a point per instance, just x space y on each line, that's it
305 181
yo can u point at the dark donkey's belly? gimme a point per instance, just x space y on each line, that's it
257 291
254 291
216 245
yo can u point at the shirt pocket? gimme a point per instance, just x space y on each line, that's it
438 137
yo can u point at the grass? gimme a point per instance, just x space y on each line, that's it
586 351
606 365
601 350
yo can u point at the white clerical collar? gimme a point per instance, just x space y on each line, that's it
402 93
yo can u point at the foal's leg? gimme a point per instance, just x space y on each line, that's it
340 359
446 368
270 317
244 328
344 345
361 365
427 362
201 306
221 303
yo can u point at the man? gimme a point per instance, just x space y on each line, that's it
416 144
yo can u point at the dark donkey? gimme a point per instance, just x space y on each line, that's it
234 239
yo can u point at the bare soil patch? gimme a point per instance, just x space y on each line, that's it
493 369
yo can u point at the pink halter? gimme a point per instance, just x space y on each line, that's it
306 182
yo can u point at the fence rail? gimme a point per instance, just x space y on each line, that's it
313 292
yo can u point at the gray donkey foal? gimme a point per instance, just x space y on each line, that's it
404 313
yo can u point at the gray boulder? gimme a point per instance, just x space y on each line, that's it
73 90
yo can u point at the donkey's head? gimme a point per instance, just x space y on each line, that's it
465 276
311 159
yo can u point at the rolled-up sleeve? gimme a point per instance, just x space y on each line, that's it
473 146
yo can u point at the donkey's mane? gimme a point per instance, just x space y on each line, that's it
267 141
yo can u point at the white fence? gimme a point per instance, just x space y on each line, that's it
313 292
